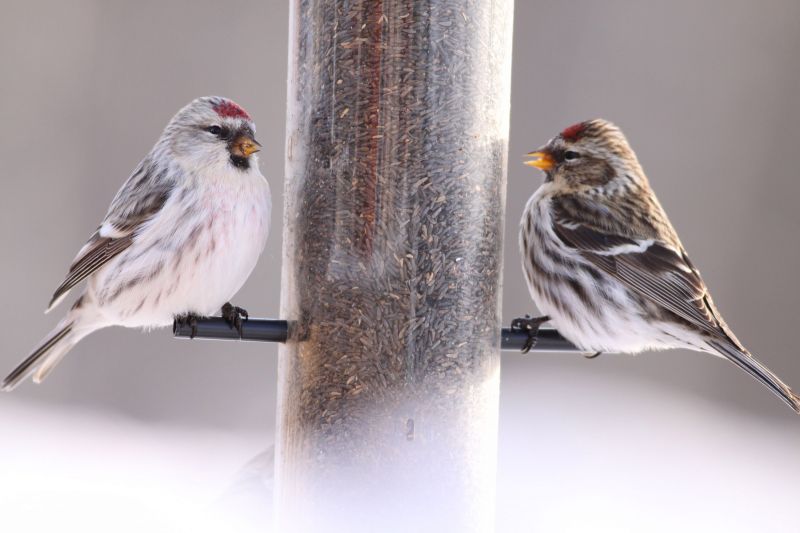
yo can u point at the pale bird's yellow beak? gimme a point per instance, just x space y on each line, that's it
245 146
543 161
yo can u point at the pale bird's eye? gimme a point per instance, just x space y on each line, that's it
570 155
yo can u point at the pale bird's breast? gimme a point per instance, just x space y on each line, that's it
238 224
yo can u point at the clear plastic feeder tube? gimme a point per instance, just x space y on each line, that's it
392 257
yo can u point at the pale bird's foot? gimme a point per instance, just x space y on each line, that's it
189 319
531 327
234 316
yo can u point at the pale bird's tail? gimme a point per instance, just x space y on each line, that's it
753 366
49 352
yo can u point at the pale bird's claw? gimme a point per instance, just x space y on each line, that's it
234 316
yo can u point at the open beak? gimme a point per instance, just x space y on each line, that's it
245 145
544 161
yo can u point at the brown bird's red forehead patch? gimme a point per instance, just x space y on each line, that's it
574 132
230 109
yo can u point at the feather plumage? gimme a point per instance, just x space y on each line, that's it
602 259
181 236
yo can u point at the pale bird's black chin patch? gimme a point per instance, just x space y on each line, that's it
240 162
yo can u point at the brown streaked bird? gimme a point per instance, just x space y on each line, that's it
604 264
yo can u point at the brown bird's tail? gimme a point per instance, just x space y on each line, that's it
49 352
753 366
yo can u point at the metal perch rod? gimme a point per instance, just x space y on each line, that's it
267 330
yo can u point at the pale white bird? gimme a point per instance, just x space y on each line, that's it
180 238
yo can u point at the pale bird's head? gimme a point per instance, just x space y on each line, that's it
212 133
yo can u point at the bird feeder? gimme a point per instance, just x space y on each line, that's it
397 135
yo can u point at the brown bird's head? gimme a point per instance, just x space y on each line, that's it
587 155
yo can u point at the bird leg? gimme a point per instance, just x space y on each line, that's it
189 319
233 315
531 327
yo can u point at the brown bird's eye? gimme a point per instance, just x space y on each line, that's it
215 130
570 155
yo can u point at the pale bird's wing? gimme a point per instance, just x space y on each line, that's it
140 198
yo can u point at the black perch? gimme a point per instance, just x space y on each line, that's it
253 329
266 330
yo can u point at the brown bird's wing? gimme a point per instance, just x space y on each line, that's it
139 199
656 270
664 275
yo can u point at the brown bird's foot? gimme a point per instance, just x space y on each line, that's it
189 319
234 316
531 327
592 356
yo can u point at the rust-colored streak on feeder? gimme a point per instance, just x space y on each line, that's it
368 142
394 211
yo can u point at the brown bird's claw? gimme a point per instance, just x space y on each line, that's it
189 319
531 327
234 316
592 356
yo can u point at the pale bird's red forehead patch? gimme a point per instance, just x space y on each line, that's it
574 132
229 109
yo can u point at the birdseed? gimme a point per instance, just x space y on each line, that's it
395 194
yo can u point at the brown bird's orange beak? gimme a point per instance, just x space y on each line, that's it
544 161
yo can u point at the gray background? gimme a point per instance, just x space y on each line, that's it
706 92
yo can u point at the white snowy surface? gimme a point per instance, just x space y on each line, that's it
567 463
636 456
62 470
